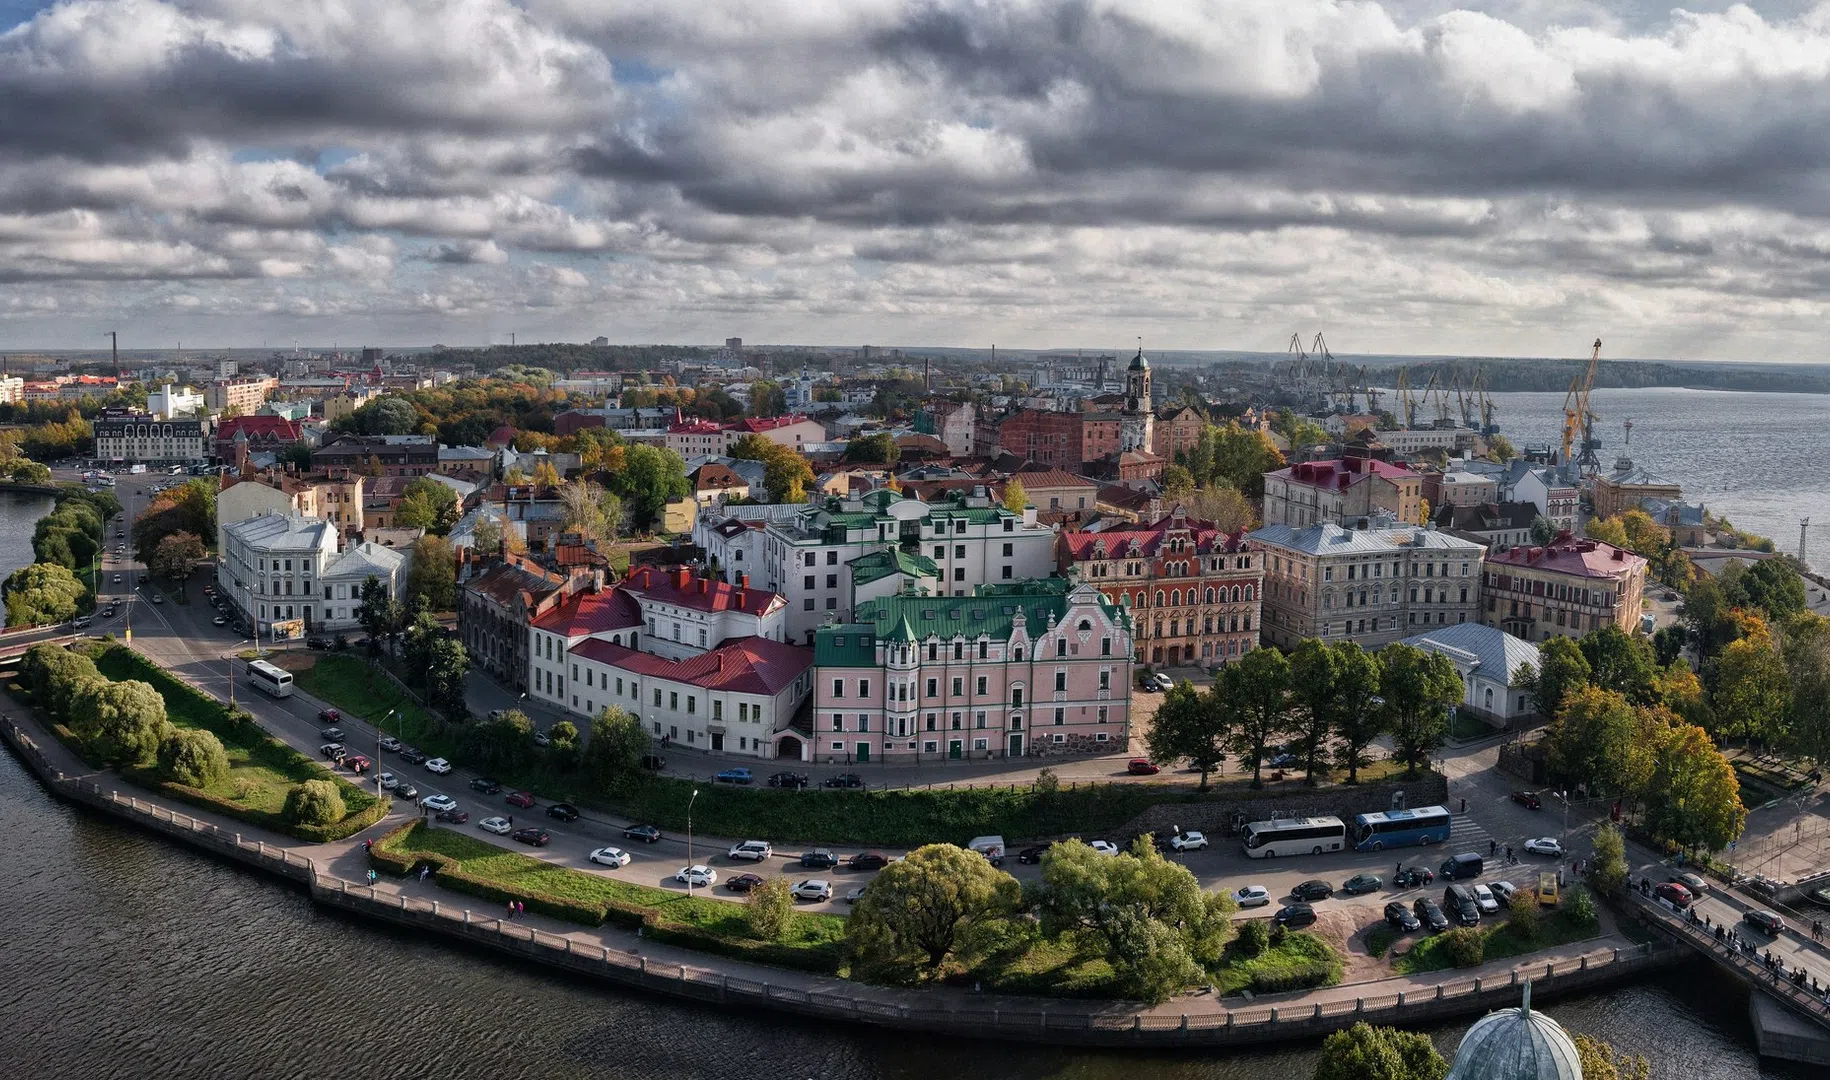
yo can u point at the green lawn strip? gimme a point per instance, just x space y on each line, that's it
1302 961
813 941
1052 968
1499 943
1467 728
1380 939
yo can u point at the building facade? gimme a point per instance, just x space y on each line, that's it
497 604
271 566
1037 667
1178 429
243 396
398 455
1568 587
137 437
170 402
343 579
1194 592
1341 491
262 434
1628 487
1373 586
1490 662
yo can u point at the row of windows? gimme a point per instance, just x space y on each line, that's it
861 722
1210 625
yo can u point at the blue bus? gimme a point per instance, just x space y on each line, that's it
1401 828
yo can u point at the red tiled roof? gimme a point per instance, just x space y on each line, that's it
1342 473
696 427
503 582
756 424
748 665
1569 555
1044 479
270 427
678 586
591 613
1149 539
713 477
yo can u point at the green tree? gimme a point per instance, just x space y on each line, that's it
1693 799
378 611
314 802
42 593
1178 483
1500 448
1418 688
1243 455
427 504
1542 531
1358 717
1016 500
503 743
1189 726
1619 661
122 722
1312 683
296 456
1805 648
651 478
1591 739
563 733
1773 586
1562 670
1608 870
1364 1052
1257 691
770 909
23 471
1600 1061
878 449
767 398
916 910
613 756
1750 693
1224 505
447 665
175 556
1668 644
192 757
786 474
432 573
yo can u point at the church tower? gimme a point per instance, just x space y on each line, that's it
1136 428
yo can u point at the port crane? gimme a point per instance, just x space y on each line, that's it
1579 418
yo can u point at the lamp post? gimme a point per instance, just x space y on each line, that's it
1565 836
379 725
689 841
230 657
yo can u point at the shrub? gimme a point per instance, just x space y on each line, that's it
314 802
1465 946
1580 907
192 757
1523 921
1254 937
770 908
244 788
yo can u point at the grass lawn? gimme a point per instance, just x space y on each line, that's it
1500 942
1302 961
1046 967
347 681
1467 728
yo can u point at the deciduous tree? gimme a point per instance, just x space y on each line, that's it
192 757
1364 1052
42 593
1256 690
1224 505
1178 483
175 556
1749 697
1016 500
1312 683
1600 1061
122 722
378 612
770 909
1619 661
1418 688
1358 716
613 757
314 802
1562 670
432 573
916 910
1693 799
1608 870
427 504
1189 726
786 474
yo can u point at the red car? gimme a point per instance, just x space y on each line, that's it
1670 890
1529 800
329 716
520 798
356 763
1142 767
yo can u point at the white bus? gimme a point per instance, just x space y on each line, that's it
275 681
1294 836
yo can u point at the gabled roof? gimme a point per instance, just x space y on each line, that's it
746 665
1485 517
758 424
1568 555
991 611
1492 651
364 559
1034 479
703 594
881 564
591 613
258 427
1147 540
715 477
283 532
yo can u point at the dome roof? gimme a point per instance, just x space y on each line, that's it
1138 363
1516 1044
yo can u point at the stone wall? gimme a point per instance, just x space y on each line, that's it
1218 817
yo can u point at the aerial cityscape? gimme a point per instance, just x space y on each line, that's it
879 540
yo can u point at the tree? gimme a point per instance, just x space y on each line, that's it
786 474
1500 448
1358 717
1705 614
1242 456
1771 585
446 668
1618 661
770 909
613 757
652 477
1693 799
1364 1052
1542 531
1225 506
378 611
1678 689
1312 682
1592 742
295 455
1016 500
1146 916
1178 482
26 471
1750 693
1256 690
563 733
42 593
1608 869
1418 688
545 475
1188 726
767 398
916 910
432 573
583 504
878 449
1668 644
175 556
192 757
427 504
1562 670
504 742
486 535
1600 1061
122 722
48 668
314 802
1805 648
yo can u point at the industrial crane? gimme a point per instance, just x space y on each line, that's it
1465 399
1407 398
1578 417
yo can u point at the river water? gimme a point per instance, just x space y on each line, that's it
1759 459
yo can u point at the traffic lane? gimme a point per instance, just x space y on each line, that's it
1791 946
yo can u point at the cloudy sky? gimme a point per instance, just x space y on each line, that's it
1491 177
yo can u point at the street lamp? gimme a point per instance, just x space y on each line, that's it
230 657
689 841
1565 836
379 724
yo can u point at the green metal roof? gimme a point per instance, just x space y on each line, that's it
991 611
881 564
845 645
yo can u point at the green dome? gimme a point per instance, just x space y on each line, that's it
1138 363
1516 1044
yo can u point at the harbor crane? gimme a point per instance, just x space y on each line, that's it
1407 399
1579 418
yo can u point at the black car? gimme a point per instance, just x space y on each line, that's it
1294 915
1412 877
405 790
1313 889
1765 921
536 837
455 817
562 811
788 780
413 755
843 780
333 734
483 784
1399 917
654 761
868 860
742 883
1429 913
819 859
1032 854
317 643
648 834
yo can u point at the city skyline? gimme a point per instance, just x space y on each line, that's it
1509 178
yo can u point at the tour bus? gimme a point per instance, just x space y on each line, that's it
1294 836
1401 828
275 681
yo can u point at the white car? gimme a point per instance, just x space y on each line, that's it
438 802
388 781
1483 896
855 895
1188 841
1104 847
699 877
1545 845
1252 896
390 744
497 825
753 850
438 765
614 858
813 889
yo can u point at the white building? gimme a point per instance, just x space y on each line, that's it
12 389
1417 440
1556 500
169 402
271 566
126 437
343 580
1373 586
1489 659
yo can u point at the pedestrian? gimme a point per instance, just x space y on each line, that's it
1464 806
1397 868
511 819
520 908
511 909
1492 846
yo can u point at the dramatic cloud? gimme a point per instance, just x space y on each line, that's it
1418 175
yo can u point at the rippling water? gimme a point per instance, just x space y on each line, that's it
19 516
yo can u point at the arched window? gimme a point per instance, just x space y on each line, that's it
1235 594
1175 597
1086 625
1210 594
1159 598
1248 592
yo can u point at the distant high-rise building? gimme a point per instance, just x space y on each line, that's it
733 343
600 341
371 355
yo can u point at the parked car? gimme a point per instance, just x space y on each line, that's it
438 802
1188 841
1429 913
1412 877
1295 915
1503 891
1104 847
356 763
334 734
1529 800
329 716
733 776
1484 898
412 755
1693 882
868 860
485 785
497 825
614 858
1400 918
1361 883
647 834
1142 767
1672 892
332 751
1766 922
813 889
523 799
219 621
1313 889
438 766
541 738
562 811
158 598
843 780
696 877
534 836
389 781
406 790
1252 896
453 817
819 859
788 780
753 850
1285 760
317 643
1545 845
1459 903
854 895
1164 683
743 883
1031 855
389 743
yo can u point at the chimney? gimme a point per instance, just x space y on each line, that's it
681 574
743 581
742 598
705 586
